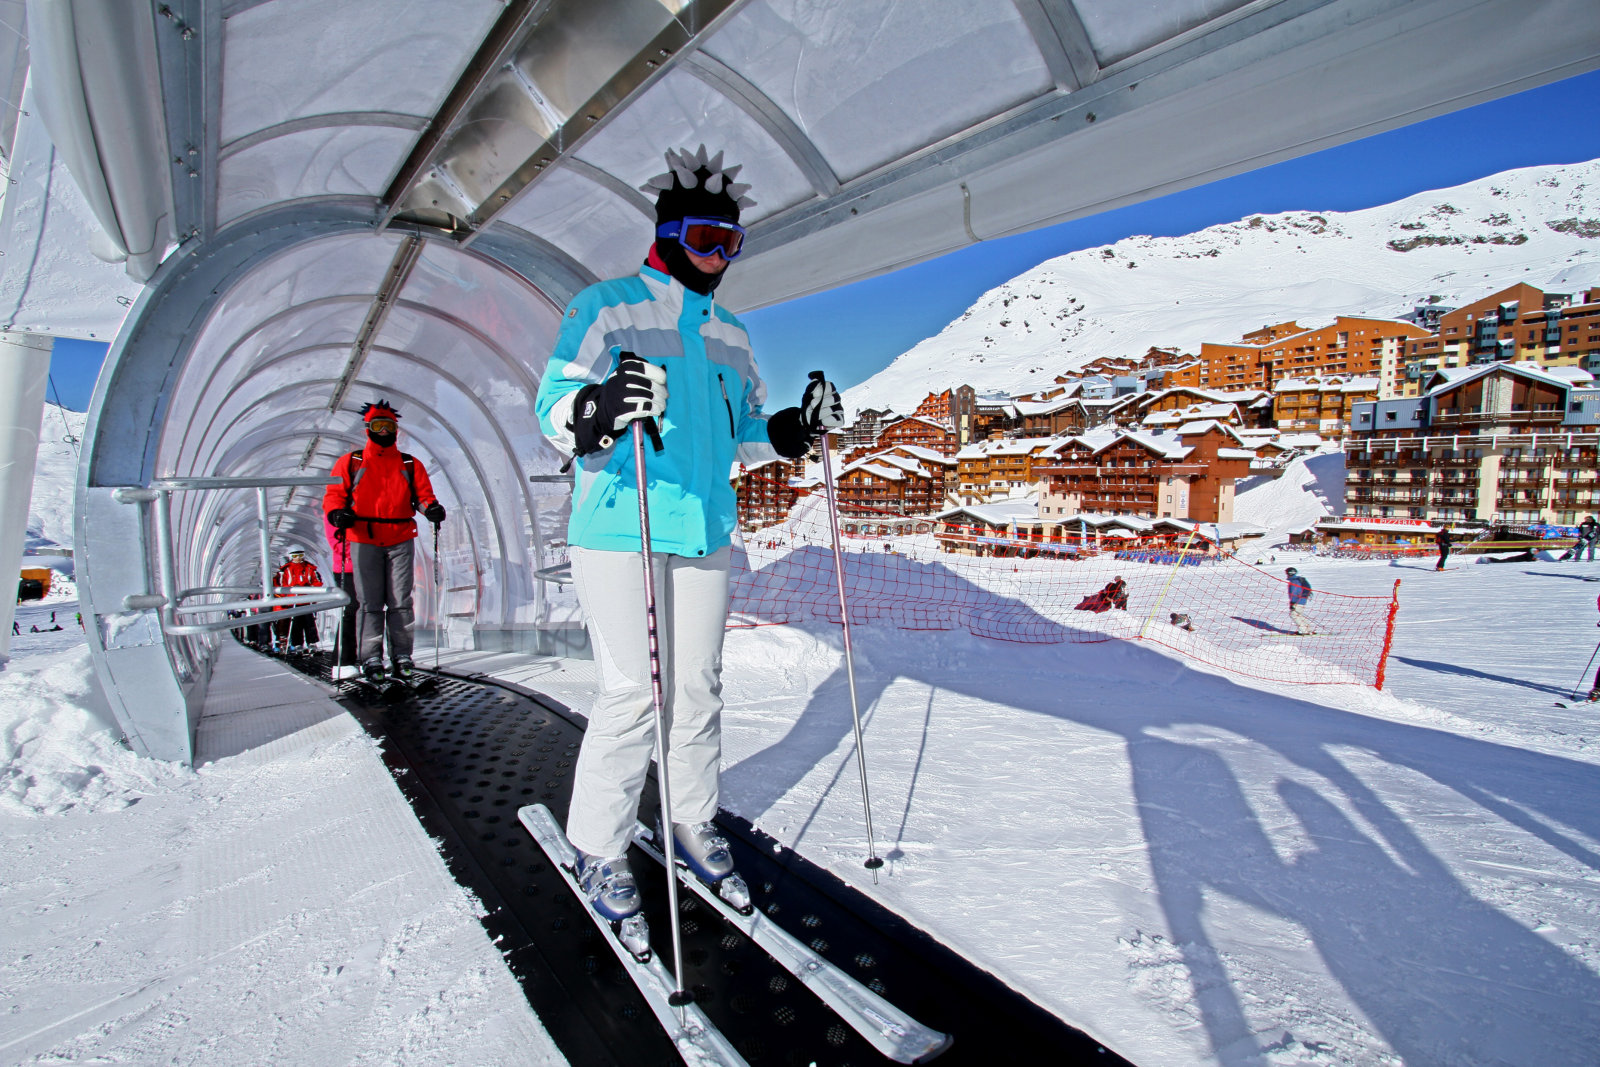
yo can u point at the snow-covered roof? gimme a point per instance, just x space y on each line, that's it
1235 453
999 513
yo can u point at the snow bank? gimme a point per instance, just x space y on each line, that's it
1309 490
58 748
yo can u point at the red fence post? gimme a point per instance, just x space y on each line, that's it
1388 633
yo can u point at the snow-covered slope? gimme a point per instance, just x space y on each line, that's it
1311 488
54 480
1539 225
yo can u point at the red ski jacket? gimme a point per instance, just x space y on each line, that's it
292 573
376 487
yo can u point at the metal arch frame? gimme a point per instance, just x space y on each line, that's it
1058 31
399 120
610 182
215 510
199 443
1245 40
495 520
156 689
776 122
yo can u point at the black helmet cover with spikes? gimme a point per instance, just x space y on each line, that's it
695 184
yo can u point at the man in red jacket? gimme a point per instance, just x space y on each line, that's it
379 489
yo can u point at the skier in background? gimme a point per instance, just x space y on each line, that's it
378 491
1588 534
1299 597
656 346
298 632
1442 539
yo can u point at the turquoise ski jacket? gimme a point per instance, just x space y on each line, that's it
713 416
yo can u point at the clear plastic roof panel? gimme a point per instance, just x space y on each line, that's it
581 217
682 111
874 80
410 55
1118 29
349 160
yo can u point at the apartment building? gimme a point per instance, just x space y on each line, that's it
1520 324
1318 404
1350 346
1148 475
766 491
1495 443
905 480
1001 468
863 433
918 430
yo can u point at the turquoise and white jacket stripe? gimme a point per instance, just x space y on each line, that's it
713 414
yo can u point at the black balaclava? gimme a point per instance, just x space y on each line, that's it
695 185
381 410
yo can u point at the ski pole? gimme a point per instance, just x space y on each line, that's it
873 862
679 996
438 595
1574 694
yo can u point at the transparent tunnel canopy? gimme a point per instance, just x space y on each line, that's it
397 200
273 386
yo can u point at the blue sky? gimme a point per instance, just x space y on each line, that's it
855 331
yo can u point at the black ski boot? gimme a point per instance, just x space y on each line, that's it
404 669
372 672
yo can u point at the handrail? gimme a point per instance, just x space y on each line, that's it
174 606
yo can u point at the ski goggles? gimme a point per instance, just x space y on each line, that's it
704 237
382 425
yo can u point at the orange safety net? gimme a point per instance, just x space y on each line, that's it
1205 605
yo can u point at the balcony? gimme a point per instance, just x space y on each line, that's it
1455 462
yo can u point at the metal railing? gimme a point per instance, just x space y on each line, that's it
180 612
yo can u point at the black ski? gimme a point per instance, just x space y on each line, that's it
888 1029
699 1042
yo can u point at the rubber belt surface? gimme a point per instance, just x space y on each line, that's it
473 751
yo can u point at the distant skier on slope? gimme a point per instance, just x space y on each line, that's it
625 346
1442 539
378 491
1299 597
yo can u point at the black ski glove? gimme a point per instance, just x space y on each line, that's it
635 390
342 518
793 431
434 513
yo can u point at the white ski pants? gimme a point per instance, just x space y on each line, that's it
691 614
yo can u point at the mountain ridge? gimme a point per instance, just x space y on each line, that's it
1539 225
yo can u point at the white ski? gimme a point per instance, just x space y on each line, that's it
699 1042
888 1029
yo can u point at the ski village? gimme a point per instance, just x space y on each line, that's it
444 638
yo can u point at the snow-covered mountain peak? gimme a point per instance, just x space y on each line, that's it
1540 225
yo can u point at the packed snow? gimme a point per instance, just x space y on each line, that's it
1449 246
1192 868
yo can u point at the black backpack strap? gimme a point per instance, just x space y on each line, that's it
410 464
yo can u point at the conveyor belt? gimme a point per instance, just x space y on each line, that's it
473 751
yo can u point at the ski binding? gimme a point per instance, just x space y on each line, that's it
888 1029
697 1040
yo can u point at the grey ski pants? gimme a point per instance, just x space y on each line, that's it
383 586
692 614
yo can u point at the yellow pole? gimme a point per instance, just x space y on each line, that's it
1182 552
